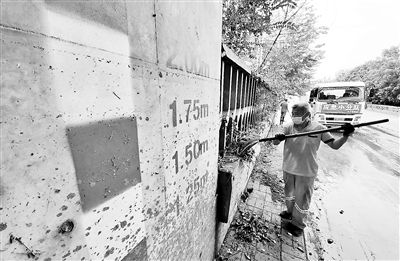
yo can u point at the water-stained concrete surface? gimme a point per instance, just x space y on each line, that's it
71 150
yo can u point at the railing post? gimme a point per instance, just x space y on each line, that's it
221 90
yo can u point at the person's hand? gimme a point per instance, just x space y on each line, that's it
280 137
348 129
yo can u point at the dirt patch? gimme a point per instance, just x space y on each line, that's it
267 170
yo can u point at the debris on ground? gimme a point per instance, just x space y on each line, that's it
248 155
269 178
249 227
272 181
244 196
246 230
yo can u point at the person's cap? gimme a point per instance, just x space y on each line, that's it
301 107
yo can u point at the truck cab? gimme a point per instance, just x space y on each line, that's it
337 103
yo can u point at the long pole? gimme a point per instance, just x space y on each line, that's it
254 142
326 130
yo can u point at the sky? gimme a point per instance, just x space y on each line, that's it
359 30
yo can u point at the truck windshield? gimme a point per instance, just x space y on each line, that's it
340 94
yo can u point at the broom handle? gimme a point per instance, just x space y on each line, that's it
326 130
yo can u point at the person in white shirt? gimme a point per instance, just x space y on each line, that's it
300 163
284 110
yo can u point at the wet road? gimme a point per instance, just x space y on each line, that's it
361 181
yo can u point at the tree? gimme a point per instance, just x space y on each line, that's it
381 76
291 63
244 21
277 37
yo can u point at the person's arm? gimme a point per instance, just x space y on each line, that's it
336 144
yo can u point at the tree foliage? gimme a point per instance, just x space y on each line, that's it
244 21
277 37
381 76
291 63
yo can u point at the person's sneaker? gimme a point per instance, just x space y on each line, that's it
293 229
286 215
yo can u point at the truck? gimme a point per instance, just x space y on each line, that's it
337 103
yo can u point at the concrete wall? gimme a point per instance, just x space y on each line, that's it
241 171
109 124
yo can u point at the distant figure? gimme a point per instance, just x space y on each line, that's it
284 110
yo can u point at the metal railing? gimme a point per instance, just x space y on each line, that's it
238 110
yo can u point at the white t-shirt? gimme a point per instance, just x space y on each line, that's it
300 154
284 107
